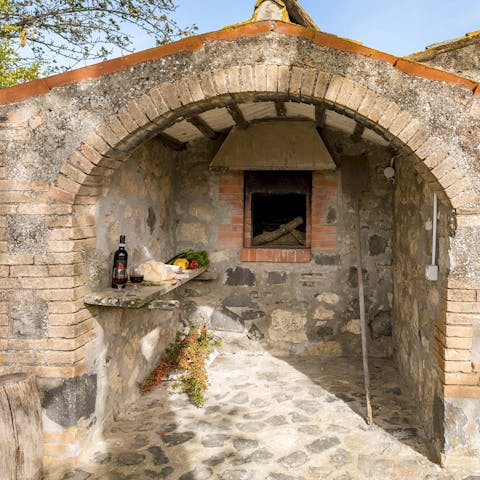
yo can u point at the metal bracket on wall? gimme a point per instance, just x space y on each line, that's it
431 272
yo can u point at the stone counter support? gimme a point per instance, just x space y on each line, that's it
129 344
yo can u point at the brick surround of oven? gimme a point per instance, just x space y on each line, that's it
321 231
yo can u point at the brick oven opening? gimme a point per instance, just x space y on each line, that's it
269 212
277 209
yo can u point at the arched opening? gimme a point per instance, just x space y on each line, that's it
160 191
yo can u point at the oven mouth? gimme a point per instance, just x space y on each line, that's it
270 212
278 209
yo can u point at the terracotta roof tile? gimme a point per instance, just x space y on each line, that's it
92 71
23 91
344 44
185 45
421 70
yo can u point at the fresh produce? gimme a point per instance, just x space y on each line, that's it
193 264
189 254
181 262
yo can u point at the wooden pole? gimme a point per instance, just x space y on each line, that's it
363 320
21 437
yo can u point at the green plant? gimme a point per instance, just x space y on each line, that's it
189 254
187 357
47 36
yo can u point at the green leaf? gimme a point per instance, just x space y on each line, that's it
60 33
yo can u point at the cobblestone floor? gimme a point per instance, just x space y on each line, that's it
268 418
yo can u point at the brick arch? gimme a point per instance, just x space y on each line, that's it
108 145
105 149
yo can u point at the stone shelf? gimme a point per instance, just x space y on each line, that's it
207 276
129 298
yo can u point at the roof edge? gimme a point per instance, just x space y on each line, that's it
43 86
432 51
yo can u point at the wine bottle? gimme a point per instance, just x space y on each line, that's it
120 261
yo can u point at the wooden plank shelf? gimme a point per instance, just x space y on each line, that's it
129 297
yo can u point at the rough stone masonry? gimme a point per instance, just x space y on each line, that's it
125 147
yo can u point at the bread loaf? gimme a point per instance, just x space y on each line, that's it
156 272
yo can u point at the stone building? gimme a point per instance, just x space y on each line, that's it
204 143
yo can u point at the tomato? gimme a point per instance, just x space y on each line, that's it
193 264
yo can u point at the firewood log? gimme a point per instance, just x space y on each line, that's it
267 237
299 236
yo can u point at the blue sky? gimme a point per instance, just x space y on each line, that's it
397 27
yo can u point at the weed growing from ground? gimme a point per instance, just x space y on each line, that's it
186 356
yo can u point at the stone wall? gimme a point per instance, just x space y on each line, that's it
129 345
307 307
419 304
137 200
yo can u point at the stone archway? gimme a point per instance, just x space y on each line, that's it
164 105
107 147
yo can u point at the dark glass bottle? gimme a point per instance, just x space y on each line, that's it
120 260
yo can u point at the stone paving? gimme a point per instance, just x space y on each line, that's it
268 418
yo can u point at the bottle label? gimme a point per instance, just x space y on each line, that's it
120 269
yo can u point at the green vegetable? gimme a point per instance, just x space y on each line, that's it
189 254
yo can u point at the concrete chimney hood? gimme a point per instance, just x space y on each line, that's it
274 145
